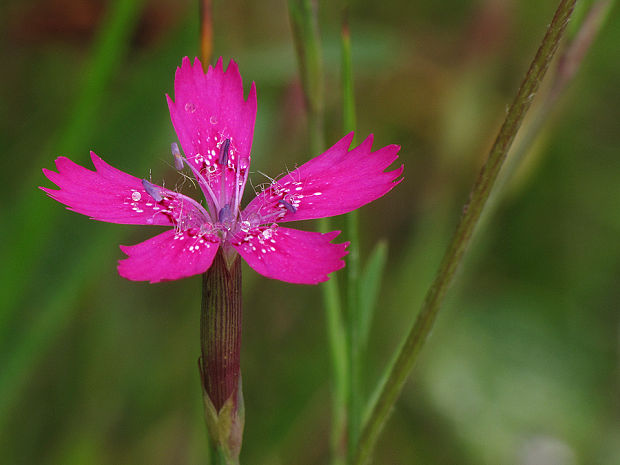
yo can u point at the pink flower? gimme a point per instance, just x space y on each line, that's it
215 125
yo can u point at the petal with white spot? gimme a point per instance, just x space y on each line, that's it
169 255
291 255
108 194
335 182
209 109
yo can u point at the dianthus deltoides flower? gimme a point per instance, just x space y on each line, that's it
215 126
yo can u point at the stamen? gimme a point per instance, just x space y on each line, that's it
178 159
243 163
224 149
204 185
181 198
264 218
152 190
224 214
288 206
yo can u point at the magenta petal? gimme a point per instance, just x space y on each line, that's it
333 183
208 109
169 255
291 255
108 194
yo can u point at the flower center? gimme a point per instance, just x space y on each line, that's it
223 203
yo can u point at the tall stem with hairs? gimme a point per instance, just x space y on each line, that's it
393 382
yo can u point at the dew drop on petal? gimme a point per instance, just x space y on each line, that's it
213 120
254 219
245 226
135 196
190 107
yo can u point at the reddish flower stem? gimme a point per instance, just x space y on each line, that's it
220 330
219 362
206 31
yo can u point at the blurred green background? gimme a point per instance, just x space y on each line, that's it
522 367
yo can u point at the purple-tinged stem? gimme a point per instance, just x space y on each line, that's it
220 349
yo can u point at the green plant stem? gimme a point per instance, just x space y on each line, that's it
568 64
308 48
219 457
338 351
418 334
307 45
577 48
354 319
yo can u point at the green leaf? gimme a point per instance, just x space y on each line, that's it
370 283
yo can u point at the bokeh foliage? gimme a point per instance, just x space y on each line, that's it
523 363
